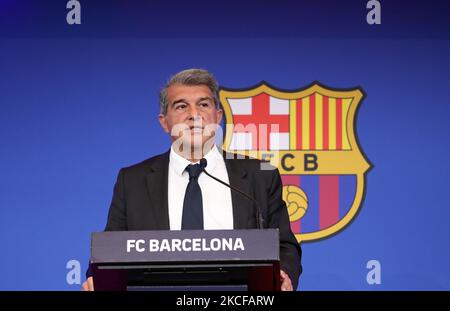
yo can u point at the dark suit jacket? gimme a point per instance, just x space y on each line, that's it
140 202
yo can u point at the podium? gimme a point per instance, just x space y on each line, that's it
187 260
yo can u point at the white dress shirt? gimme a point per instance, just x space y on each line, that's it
217 205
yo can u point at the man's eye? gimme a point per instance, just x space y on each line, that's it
180 107
204 104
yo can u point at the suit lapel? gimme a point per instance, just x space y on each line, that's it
157 185
237 174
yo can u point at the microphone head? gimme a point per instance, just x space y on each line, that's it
203 163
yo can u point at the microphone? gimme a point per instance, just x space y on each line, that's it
259 218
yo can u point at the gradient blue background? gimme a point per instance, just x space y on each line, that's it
79 102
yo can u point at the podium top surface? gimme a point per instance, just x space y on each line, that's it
118 247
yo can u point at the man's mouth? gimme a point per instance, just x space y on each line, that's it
196 128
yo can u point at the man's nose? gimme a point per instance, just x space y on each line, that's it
194 112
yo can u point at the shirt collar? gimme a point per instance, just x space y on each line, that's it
179 164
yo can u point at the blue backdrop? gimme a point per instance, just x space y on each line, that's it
78 102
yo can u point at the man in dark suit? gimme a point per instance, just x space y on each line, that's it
169 191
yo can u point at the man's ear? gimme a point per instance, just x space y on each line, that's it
163 122
219 115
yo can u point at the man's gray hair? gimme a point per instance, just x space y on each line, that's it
189 77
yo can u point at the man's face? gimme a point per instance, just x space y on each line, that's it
191 116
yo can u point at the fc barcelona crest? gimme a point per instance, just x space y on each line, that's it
309 134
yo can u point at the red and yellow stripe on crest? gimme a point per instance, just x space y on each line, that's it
318 122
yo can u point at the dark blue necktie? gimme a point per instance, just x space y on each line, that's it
193 204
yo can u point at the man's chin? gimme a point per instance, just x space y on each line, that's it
190 143
194 145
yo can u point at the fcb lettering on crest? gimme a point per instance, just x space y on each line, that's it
309 134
